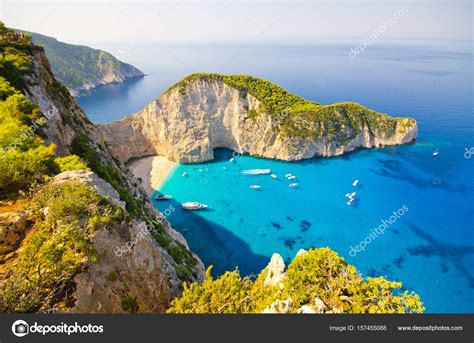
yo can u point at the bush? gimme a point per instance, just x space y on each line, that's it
318 273
59 247
227 294
71 162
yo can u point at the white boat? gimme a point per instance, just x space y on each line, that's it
356 181
288 175
294 184
255 171
348 195
232 160
255 186
163 197
185 174
436 153
351 200
292 177
353 194
193 205
274 176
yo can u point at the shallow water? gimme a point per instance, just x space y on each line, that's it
430 248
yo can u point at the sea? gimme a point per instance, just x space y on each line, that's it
412 217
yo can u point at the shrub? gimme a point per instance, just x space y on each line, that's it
59 247
71 162
318 273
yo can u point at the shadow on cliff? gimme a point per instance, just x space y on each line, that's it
214 244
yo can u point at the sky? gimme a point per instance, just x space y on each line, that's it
194 21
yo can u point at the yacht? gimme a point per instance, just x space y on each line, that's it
255 171
194 205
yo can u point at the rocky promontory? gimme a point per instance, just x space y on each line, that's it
246 114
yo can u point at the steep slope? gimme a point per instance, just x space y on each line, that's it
80 67
243 113
85 241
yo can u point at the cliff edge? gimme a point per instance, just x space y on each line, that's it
242 113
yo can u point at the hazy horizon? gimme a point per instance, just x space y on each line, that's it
96 23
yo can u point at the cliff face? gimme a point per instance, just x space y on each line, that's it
188 122
82 68
146 274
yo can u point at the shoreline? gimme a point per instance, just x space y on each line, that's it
153 170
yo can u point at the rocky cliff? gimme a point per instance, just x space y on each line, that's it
139 262
82 68
245 114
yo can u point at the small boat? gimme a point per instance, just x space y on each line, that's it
436 153
232 160
292 177
294 184
255 171
255 186
351 200
185 174
200 170
194 205
288 175
348 195
163 197
274 176
356 181
353 194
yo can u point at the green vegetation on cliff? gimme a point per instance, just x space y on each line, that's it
80 67
59 247
294 116
318 273
58 221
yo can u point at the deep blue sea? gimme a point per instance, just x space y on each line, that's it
430 247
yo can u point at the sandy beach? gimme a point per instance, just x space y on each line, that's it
153 170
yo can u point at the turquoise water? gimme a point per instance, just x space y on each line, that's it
430 248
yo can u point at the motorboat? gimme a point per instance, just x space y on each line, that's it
274 176
193 205
294 184
163 197
255 186
355 182
255 171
